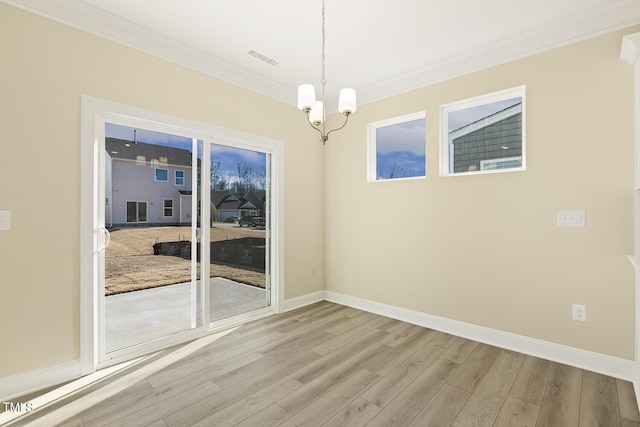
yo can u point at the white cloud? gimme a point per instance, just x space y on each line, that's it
408 136
247 155
460 118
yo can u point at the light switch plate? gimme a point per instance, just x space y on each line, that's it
571 219
5 220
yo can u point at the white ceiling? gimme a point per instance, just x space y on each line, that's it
377 47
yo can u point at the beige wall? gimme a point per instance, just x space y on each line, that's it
479 249
486 249
44 69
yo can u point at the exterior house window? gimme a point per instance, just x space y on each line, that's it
162 174
179 178
483 134
136 211
506 163
397 148
168 207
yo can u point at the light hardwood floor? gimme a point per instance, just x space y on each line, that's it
329 365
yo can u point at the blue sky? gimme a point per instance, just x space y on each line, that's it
460 118
401 146
228 157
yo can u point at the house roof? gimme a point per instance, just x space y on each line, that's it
140 151
218 196
225 200
486 121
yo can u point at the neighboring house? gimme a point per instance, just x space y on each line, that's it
146 184
493 142
226 204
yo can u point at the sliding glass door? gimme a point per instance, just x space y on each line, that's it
240 231
166 195
151 276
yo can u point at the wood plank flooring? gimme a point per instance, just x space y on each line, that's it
329 365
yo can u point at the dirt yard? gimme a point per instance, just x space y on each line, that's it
131 265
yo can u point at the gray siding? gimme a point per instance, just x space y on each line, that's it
486 144
131 167
133 181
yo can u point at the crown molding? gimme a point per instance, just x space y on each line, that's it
544 39
87 18
630 48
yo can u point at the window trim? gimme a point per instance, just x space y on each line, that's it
95 113
372 162
483 163
445 109
155 175
138 203
165 207
175 177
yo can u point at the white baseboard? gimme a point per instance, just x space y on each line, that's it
28 382
24 383
608 365
301 301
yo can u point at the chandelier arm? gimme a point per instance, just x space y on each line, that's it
306 105
343 125
312 125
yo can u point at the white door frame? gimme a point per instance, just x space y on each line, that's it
94 113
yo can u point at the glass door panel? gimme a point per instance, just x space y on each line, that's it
151 270
239 232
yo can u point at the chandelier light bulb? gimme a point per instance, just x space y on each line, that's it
317 114
315 109
347 103
306 97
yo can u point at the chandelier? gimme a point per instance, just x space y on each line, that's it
314 110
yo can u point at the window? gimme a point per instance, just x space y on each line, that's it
506 163
397 148
167 205
483 134
162 174
136 211
179 177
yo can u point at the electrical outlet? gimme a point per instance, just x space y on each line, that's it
580 312
5 220
571 219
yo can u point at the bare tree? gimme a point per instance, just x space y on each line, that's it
245 177
219 182
395 170
249 179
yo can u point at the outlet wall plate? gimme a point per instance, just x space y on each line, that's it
572 219
579 312
5 220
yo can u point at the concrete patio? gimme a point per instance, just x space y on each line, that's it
140 316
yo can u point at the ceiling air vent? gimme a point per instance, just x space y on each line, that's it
263 58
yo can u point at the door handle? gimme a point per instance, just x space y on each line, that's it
106 239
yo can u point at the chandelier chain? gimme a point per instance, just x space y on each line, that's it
323 81
308 103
